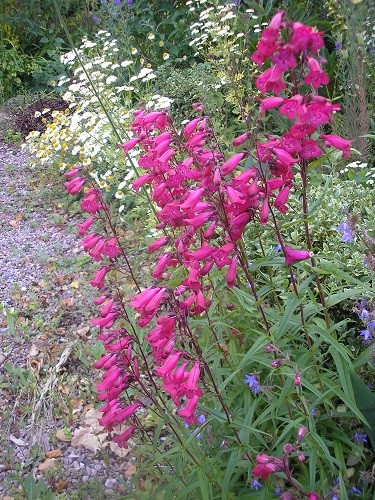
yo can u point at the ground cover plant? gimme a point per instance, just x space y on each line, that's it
238 335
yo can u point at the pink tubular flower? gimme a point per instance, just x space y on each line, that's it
111 249
130 144
169 365
264 212
241 139
292 256
72 173
313 496
75 185
232 163
281 199
155 245
98 280
338 143
188 411
310 149
191 386
84 227
232 272
123 438
316 77
270 103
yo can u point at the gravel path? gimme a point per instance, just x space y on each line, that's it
45 349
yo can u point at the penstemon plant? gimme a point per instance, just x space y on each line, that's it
247 381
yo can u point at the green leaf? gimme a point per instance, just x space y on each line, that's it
366 403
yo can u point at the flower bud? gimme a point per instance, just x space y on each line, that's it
288 448
269 348
297 379
301 457
276 363
302 431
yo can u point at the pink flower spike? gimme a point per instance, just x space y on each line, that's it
292 256
338 143
232 272
232 163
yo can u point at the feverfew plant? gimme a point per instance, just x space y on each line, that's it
85 134
213 338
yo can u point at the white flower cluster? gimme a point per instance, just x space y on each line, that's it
216 21
370 174
98 97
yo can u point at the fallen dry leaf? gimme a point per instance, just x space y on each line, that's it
68 302
76 404
15 222
84 437
47 464
92 420
61 436
83 331
61 485
18 442
130 470
33 351
88 407
117 450
54 453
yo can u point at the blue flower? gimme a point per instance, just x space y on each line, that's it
366 334
360 438
355 490
344 229
255 485
338 45
201 419
278 248
278 491
364 314
95 19
253 383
